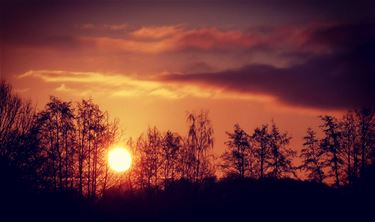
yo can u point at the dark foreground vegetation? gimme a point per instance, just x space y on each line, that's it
229 199
53 167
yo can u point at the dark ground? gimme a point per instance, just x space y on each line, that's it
226 200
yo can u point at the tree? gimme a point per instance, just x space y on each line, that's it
331 145
366 128
281 156
312 157
10 107
171 147
73 146
56 134
95 134
198 143
16 119
149 151
18 138
238 156
349 143
262 148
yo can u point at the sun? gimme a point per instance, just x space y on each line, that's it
119 159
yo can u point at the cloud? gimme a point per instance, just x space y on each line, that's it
156 32
126 45
122 85
161 39
111 27
214 38
111 84
119 38
172 38
62 76
343 77
329 83
179 38
89 83
117 27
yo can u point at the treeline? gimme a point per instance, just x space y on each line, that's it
64 147
264 153
339 157
161 158
344 151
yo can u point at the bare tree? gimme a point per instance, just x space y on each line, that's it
198 143
331 145
16 118
95 133
149 149
281 157
56 134
366 128
349 143
18 135
171 146
238 157
312 157
262 149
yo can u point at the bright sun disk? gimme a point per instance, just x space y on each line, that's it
119 159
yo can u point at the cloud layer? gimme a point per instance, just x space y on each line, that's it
302 53
344 77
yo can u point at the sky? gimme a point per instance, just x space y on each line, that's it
150 62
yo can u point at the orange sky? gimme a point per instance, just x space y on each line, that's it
148 63
148 103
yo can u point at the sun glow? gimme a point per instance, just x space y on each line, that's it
119 159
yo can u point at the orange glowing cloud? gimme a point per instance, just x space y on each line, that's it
214 38
156 32
121 85
159 39
126 45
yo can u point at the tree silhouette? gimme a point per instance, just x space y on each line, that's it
262 148
149 149
18 137
95 135
349 143
16 119
238 156
331 145
197 144
171 147
312 157
56 133
280 162
366 125
73 145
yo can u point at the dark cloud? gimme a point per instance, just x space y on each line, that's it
200 66
36 23
343 78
